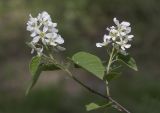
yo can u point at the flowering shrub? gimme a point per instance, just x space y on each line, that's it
46 42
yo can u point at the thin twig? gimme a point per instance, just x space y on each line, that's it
123 109
88 88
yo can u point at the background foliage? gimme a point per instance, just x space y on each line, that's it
82 23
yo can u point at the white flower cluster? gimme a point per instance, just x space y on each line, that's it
118 36
44 32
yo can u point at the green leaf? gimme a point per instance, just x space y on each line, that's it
34 64
111 76
128 60
90 63
94 106
35 69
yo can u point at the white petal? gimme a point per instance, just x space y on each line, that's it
125 41
52 29
29 28
45 28
123 33
53 44
118 34
127 45
130 36
122 47
32 51
45 16
33 34
112 27
39 51
44 13
107 29
113 38
119 43
99 44
47 40
128 30
54 24
59 40
113 31
55 35
39 16
116 21
49 35
44 41
49 23
35 39
30 16
124 23
37 30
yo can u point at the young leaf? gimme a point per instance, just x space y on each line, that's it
35 70
94 106
128 60
90 63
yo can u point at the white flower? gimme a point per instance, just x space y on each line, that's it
118 35
123 27
54 39
59 40
106 40
43 31
123 44
32 26
124 23
44 17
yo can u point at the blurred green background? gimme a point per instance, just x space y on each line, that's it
82 23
